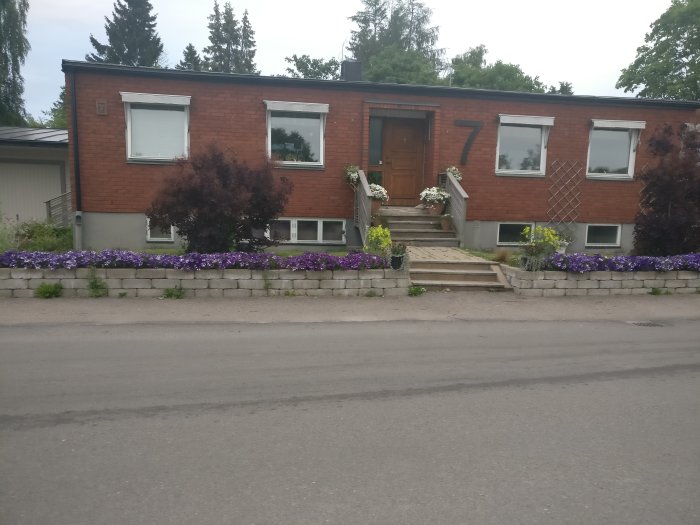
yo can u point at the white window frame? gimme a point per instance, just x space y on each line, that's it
319 230
298 107
153 99
544 123
150 238
604 245
498 233
634 128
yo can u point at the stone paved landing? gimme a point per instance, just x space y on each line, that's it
433 253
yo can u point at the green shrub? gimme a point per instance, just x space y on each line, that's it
97 287
378 240
174 293
49 290
35 236
8 233
415 291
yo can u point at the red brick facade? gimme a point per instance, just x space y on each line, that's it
230 112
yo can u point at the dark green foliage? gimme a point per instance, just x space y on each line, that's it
97 287
48 290
306 67
190 59
231 47
55 117
669 220
14 47
668 64
131 36
43 237
174 293
401 67
217 203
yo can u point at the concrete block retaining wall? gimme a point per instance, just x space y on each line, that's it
557 284
150 282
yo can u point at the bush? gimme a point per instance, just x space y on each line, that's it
378 240
669 220
43 236
218 204
49 290
8 233
581 263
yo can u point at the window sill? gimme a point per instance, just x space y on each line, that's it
316 167
597 176
155 161
525 174
613 246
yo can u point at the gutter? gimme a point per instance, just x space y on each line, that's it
76 146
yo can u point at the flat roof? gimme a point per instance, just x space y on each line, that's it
51 137
371 87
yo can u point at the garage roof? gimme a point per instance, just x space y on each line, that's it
33 136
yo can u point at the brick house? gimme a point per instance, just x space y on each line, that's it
526 158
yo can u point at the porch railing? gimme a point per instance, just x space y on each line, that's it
58 210
458 203
363 207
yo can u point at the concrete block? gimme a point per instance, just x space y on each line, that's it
265 274
85 293
336 284
640 291
384 283
192 284
654 283
149 292
208 274
150 273
291 275
239 274
555 276
599 291
13 284
686 290
122 293
120 273
621 291
209 293
162 284
632 283
33 284
22 293
694 282
688 275
371 274
601 276
621 276
587 284
5 294
354 292
611 284
643 276
251 284
320 275
530 293
566 284
346 274
389 273
401 283
60 273
306 284
282 284
86 273
221 284
237 293
544 284
265 293
71 293
667 275
5 273
113 283
327 292
171 273
526 284
358 283
136 283
576 292
75 283
26 273
554 293
676 283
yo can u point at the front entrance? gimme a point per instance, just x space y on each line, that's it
397 158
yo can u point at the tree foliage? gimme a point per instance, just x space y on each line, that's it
398 66
14 47
669 220
306 67
404 27
231 47
56 117
217 203
131 36
668 64
190 59
471 70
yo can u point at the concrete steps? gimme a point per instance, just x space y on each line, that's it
457 275
415 227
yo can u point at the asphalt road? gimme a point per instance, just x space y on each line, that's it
475 422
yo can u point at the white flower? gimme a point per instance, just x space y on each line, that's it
452 170
434 195
352 174
378 192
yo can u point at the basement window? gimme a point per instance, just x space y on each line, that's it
603 235
308 231
159 234
511 233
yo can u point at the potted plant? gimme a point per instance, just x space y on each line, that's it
352 175
379 196
434 200
446 222
452 170
540 242
398 252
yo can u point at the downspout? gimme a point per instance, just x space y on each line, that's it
78 220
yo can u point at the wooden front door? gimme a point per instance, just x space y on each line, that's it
403 155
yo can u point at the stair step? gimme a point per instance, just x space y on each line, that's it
459 286
437 242
455 276
421 265
407 225
398 235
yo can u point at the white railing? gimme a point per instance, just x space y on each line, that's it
363 207
458 203
58 210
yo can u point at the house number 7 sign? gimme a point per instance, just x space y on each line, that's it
476 126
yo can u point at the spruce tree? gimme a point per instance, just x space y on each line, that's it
190 59
224 39
131 35
246 62
14 47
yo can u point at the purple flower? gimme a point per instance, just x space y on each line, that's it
581 263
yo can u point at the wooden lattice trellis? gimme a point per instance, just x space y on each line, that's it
564 197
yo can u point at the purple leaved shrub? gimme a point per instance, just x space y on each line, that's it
581 263
191 261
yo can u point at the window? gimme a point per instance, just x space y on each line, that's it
159 234
602 235
511 233
295 133
156 126
612 147
308 231
522 145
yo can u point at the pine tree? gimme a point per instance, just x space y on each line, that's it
14 47
190 59
131 35
246 62
224 39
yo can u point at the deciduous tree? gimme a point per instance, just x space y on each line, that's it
14 47
306 67
131 36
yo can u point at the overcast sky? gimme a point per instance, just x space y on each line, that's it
585 43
